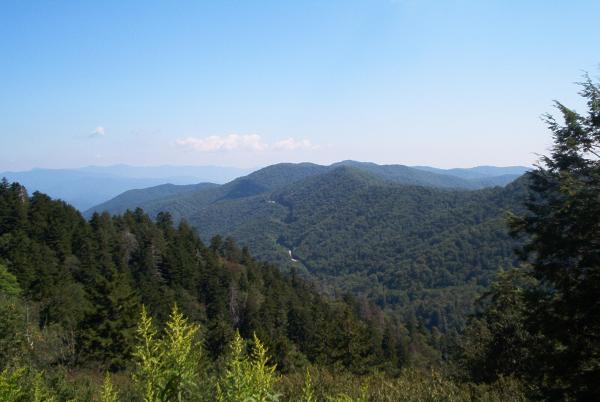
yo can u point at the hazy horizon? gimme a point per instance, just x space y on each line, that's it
252 168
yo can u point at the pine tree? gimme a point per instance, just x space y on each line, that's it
108 329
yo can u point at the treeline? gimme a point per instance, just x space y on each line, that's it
171 365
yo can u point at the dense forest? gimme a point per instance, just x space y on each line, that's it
87 280
420 245
415 251
73 291
128 308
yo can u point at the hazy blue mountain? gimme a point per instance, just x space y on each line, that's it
181 204
478 172
92 185
411 176
133 197
502 180
212 174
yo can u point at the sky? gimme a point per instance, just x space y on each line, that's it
448 83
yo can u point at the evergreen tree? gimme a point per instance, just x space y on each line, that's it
561 231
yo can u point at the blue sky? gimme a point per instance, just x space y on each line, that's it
249 83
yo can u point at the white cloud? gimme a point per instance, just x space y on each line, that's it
245 142
251 142
291 144
98 132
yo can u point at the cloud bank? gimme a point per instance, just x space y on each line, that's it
244 142
98 132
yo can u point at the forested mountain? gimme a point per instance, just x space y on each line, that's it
464 178
478 172
275 176
182 205
388 233
89 186
84 283
71 292
149 194
422 252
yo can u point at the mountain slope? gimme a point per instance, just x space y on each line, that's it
418 251
481 176
407 175
378 231
181 204
85 281
279 175
133 197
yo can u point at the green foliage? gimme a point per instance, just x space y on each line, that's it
346 398
498 343
41 393
562 237
410 386
419 252
543 322
11 330
84 281
11 385
168 367
395 234
8 283
147 354
22 384
247 377
108 393
307 389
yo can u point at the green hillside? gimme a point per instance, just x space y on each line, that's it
90 278
422 252
181 202
419 244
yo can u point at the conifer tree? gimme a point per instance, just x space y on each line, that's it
561 231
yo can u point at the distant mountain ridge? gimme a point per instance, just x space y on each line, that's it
478 172
182 203
467 178
163 190
92 185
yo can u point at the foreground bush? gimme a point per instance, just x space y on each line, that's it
411 386
170 366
